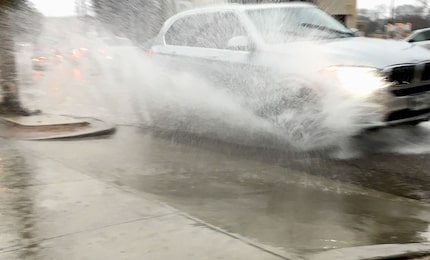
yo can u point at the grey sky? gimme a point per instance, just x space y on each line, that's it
55 7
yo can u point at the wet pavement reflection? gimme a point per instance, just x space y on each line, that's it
296 217
285 206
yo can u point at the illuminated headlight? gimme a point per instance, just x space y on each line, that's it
360 81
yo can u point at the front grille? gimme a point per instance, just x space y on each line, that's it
409 80
426 72
402 75
405 113
410 91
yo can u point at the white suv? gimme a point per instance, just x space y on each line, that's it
267 50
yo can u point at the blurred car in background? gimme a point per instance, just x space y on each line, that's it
45 59
118 48
420 37
116 55
75 55
40 62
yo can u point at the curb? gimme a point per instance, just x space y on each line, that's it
53 127
375 252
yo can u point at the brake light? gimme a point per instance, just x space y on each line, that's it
150 53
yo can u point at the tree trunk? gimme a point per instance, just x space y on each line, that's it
9 97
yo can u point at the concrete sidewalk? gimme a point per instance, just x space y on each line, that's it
54 212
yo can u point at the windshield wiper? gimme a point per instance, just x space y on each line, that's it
326 29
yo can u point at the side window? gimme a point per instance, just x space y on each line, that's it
427 35
219 29
210 30
422 36
182 32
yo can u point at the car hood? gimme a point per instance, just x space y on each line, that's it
357 51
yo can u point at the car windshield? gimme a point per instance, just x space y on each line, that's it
279 25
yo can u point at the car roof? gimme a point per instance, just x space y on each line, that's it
228 7
242 7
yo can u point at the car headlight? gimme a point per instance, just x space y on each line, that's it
360 81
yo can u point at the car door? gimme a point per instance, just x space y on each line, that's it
176 49
229 49
199 44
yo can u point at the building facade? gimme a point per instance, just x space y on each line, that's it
343 10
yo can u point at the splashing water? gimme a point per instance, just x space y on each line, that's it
121 84
260 115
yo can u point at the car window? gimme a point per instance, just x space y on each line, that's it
182 32
422 36
211 30
280 25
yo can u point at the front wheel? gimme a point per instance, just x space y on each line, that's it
296 110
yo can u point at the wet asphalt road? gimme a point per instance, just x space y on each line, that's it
300 202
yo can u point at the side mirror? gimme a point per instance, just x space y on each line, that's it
240 43
355 31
